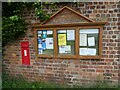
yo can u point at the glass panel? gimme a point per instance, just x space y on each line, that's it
45 42
89 42
66 41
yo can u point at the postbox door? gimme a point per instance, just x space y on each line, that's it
25 54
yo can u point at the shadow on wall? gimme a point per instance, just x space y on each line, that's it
0 70
119 57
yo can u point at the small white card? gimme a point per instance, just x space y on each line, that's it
49 32
91 51
68 49
83 51
87 51
91 41
61 31
61 49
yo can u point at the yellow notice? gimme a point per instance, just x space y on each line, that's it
61 39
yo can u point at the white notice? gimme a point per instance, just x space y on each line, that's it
89 31
39 45
40 51
83 51
49 43
68 49
83 40
87 51
91 41
44 32
61 49
25 52
61 31
49 32
70 34
91 51
39 32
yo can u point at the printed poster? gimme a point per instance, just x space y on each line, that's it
44 45
49 32
61 49
61 39
83 40
65 49
70 35
44 34
39 32
49 43
40 51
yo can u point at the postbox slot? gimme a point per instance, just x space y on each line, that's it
25 52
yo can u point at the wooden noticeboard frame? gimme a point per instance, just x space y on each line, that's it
77 27
60 20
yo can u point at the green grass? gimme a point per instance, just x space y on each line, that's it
19 82
10 82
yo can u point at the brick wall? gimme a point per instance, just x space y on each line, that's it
71 72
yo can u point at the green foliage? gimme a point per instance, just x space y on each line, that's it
41 15
12 23
99 86
103 84
12 27
19 82
39 12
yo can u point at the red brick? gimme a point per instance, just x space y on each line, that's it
111 40
111 56
99 70
100 2
81 5
118 52
92 7
83 66
116 32
106 3
88 3
110 11
98 66
111 2
94 11
110 32
98 7
103 7
90 66
114 36
108 67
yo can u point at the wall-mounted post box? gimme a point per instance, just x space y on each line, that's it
25 53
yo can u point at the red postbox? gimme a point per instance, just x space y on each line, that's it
25 53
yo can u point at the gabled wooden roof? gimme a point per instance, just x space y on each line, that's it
66 15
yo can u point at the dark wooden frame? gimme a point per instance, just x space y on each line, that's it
76 27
